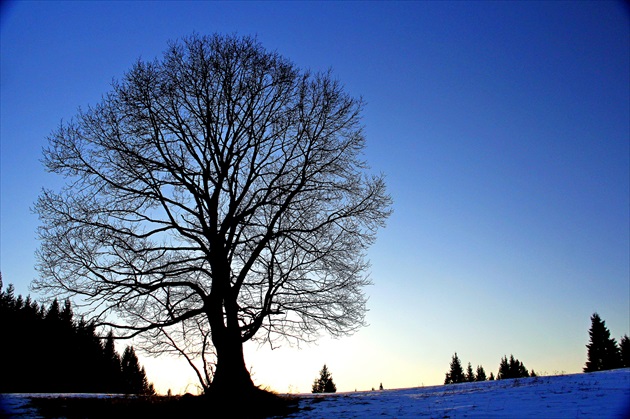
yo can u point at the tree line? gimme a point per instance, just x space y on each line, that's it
508 368
45 350
604 353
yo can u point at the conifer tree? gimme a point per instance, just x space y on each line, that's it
511 369
147 388
603 353
53 313
112 380
74 360
470 375
456 372
324 383
624 350
66 315
131 374
481 374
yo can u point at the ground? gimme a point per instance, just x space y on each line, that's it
600 395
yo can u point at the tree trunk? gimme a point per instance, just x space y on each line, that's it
231 377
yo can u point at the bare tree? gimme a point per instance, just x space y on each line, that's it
214 196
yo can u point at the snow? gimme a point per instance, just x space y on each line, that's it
596 395
600 395
17 405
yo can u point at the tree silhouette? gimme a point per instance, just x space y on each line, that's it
113 370
456 372
470 374
74 359
481 374
213 194
324 383
134 379
624 350
511 369
603 353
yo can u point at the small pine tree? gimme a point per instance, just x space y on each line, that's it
481 374
504 369
491 377
456 372
324 383
624 350
603 353
470 375
134 377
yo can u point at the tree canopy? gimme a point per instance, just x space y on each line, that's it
213 196
603 352
512 368
324 383
456 372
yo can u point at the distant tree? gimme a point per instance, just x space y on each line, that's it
603 352
491 377
324 383
112 380
66 315
74 360
456 373
624 350
53 313
90 356
481 374
533 374
380 387
133 376
147 387
512 368
504 368
470 374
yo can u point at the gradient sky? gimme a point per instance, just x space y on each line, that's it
503 129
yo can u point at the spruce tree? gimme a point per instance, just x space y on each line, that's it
131 374
511 369
481 374
324 383
456 372
624 350
74 359
112 375
470 375
603 353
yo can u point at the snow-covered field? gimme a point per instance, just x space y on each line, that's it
601 395
17 405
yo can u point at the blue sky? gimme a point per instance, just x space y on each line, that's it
503 129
